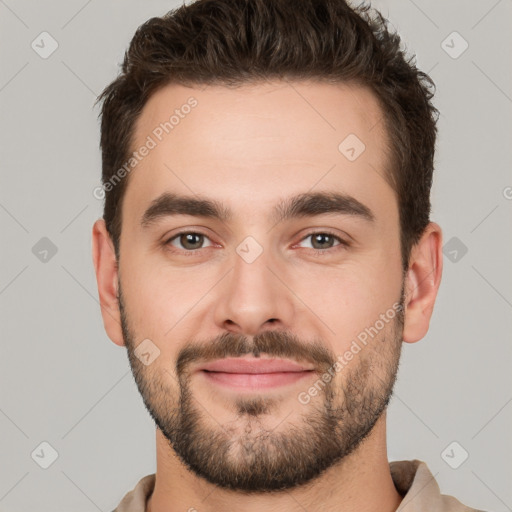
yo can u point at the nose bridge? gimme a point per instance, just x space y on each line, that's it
252 293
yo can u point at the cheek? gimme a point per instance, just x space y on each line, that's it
159 298
351 298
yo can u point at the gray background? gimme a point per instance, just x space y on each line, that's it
64 382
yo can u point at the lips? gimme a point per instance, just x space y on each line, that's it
243 375
255 366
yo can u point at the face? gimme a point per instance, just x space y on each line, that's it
287 255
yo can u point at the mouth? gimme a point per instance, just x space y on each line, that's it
254 374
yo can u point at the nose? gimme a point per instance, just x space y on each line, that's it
254 297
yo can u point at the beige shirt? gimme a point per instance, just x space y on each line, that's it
412 479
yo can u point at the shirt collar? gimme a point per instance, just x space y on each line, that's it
412 479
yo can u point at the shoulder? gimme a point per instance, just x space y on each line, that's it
135 500
418 486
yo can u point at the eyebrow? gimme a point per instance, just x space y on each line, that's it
307 204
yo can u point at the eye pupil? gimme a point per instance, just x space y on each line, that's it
191 241
321 237
188 238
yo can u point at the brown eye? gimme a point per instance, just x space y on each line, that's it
188 241
323 240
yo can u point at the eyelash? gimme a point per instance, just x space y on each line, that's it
342 243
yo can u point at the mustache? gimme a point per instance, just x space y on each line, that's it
272 343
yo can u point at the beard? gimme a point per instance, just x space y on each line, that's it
246 455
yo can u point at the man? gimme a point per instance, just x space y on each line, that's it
265 250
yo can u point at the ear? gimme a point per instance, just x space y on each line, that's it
422 282
105 265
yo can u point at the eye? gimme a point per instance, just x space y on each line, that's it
189 240
323 240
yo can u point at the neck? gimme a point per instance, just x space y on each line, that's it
362 481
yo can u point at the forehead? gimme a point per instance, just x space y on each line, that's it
250 145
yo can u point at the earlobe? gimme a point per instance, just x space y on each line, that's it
106 269
422 283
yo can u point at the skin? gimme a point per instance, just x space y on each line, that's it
251 148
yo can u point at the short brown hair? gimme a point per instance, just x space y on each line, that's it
236 42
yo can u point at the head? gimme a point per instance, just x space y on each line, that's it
237 132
